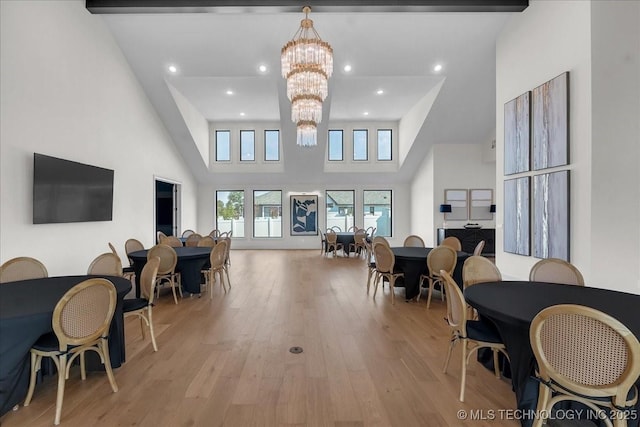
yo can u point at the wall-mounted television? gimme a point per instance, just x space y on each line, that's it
67 191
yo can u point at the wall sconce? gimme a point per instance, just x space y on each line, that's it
445 209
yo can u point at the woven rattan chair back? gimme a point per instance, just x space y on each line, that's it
107 264
84 313
172 241
413 241
371 231
214 233
479 247
133 245
556 270
206 241
585 352
478 269
168 258
441 258
22 268
453 243
336 229
193 239
187 233
218 255
148 278
380 239
159 236
332 237
359 236
385 260
456 304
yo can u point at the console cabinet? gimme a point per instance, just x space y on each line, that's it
471 237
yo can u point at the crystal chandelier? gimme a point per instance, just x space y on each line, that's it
307 64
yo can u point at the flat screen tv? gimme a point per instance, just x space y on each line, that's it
66 191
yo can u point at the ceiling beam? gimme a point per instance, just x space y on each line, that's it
295 6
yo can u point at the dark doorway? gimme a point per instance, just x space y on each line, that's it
165 207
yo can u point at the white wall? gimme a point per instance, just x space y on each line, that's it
68 92
206 213
582 37
448 166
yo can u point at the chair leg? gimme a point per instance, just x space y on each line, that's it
151 331
83 368
369 275
142 325
453 339
463 380
212 278
496 364
173 290
35 367
544 393
226 272
430 292
392 280
375 285
420 288
61 380
104 347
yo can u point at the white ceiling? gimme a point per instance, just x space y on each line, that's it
396 52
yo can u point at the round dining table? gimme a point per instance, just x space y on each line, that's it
412 261
26 310
191 260
511 306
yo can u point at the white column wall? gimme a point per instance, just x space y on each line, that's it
68 92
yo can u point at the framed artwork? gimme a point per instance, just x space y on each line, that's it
551 215
480 201
304 215
458 201
516 216
551 123
517 134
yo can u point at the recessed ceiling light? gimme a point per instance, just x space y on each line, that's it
366 113
437 68
229 92
380 91
262 68
173 69
347 68
242 114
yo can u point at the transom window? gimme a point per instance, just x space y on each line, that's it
360 144
223 146
247 146
336 145
271 145
384 144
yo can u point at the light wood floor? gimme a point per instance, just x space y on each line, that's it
226 361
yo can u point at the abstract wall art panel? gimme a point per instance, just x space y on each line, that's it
304 215
551 123
517 134
516 216
551 215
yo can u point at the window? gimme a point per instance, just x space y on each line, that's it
384 144
360 142
377 211
271 145
230 212
340 208
223 146
267 213
335 145
247 145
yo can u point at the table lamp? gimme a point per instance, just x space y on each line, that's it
492 208
445 209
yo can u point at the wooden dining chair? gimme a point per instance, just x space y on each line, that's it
192 240
187 233
453 242
385 268
357 246
167 268
478 269
159 236
554 270
81 321
479 247
380 239
172 241
332 242
143 307
471 334
216 260
587 356
106 264
413 241
127 272
439 258
206 241
22 268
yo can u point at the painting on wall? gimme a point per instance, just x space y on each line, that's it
304 215
480 201
551 123
551 215
458 201
516 216
517 134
